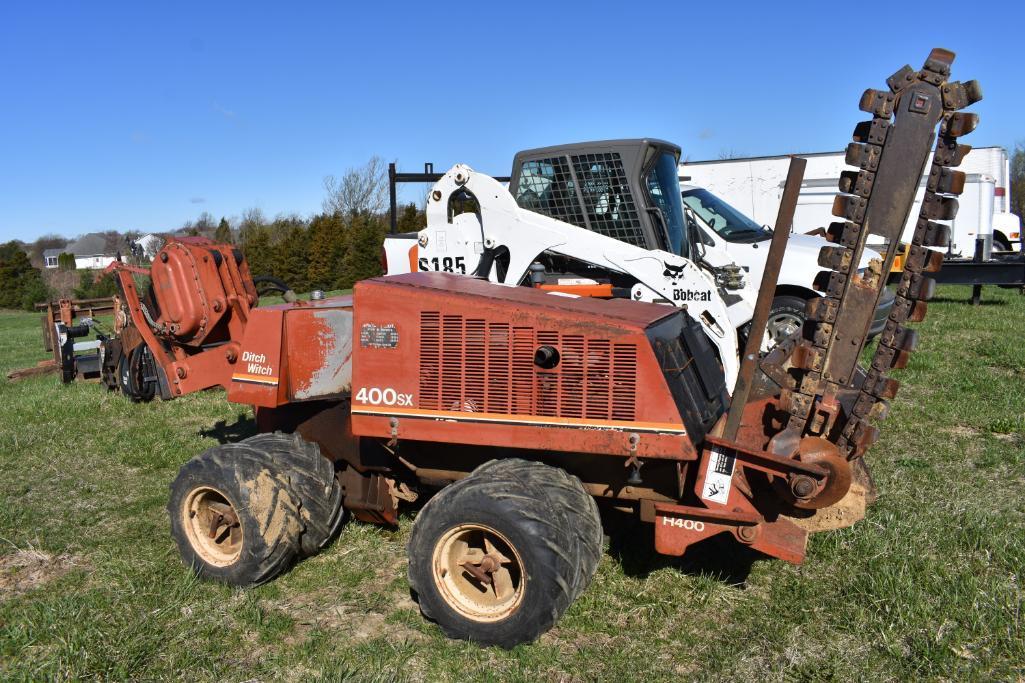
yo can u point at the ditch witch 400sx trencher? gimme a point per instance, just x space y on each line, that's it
523 407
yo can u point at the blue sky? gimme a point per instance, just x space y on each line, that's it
142 115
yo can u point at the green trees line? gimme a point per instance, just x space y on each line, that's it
330 250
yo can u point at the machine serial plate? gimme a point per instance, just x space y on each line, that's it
378 336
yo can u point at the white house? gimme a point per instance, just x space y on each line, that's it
90 252
149 244
50 257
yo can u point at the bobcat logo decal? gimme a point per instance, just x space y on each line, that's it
674 273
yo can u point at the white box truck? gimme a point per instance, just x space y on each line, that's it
754 186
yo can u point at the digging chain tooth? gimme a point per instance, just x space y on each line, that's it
859 435
916 286
905 118
959 95
959 124
945 180
937 207
921 259
937 235
857 182
829 282
878 102
902 79
881 386
879 410
806 357
949 152
864 156
872 132
820 309
843 232
850 207
835 258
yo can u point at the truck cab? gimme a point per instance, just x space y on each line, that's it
719 226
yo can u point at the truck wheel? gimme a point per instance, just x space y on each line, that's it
312 481
233 516
491 561
1000 243
567 495
785 317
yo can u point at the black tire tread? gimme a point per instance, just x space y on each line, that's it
313 482
232 469
567 494
546 525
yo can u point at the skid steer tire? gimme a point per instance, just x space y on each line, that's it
567 495
312 481
258 538
480 518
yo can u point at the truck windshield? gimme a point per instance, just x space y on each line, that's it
663 182
723 218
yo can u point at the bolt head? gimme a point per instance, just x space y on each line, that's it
802 487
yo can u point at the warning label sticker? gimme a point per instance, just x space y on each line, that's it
718 476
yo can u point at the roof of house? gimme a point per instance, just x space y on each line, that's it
47 253
93 244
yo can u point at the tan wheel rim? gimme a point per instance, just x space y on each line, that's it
478 572
212 526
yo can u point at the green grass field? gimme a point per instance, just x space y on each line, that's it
928 586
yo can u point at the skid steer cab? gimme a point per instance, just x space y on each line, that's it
601 219
519 411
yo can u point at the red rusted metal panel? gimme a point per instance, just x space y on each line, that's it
677 527
318 342
485 429
257 375
294 352
449 358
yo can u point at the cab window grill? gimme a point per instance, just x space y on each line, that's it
546 187
610 207
594 195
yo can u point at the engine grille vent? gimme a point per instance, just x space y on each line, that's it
474 365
